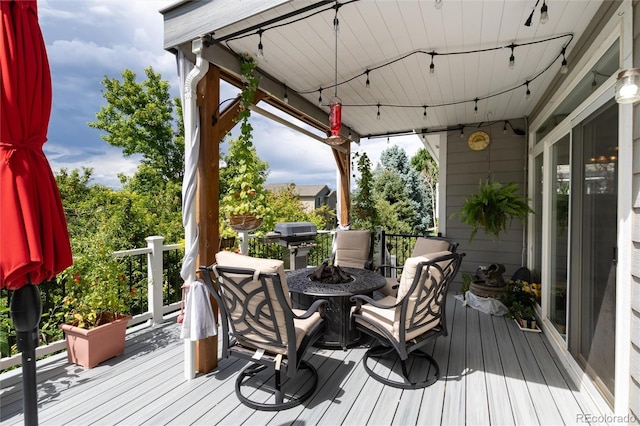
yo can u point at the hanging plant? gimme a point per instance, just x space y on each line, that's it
493 208
244 201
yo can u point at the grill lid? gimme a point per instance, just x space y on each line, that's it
296 229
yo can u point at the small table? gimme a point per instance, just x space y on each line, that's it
304 292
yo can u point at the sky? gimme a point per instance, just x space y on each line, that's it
89 39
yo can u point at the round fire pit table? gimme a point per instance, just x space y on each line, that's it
304 292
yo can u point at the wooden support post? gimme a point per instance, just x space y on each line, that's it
207 205
343 163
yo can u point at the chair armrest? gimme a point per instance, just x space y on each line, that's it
368 265
384 266
319 306
361 298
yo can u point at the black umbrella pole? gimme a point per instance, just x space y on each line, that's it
26 310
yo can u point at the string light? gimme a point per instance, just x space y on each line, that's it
424 114
544 13
260 47
378 115
320 98
286 95
367 83
564 68
528 91
438 4
461 132
530 18
475 108
432 67
512 58
504 128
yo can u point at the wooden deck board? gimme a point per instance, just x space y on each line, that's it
491 373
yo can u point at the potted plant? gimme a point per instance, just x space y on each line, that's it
493 208
244 198
97 298
520 298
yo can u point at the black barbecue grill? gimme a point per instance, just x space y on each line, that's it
298 237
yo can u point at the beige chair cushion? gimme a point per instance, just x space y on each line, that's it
241 324
389 319
388 289
425 246
352 248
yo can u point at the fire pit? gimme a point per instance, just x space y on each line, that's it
330 275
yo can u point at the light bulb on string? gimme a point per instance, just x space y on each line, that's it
564 68
512 58
424 114
528 90
286 95
367 83
544 13
504 128
320 98
475 108
432 67
260 46
378 114
461 132
438 4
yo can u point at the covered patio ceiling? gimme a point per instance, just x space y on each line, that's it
470 42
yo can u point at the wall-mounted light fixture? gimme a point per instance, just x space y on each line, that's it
628 86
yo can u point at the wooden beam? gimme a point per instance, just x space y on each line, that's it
207 204
343 163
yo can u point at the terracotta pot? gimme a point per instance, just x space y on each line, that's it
89 348
244 222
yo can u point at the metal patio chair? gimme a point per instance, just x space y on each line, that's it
422 247
403 325
259 326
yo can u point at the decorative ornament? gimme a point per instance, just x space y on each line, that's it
478 140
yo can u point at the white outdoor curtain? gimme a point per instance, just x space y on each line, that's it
198 322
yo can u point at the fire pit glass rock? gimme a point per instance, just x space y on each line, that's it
330 275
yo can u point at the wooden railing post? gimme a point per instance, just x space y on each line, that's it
155 281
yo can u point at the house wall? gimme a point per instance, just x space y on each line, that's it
505 160
634 388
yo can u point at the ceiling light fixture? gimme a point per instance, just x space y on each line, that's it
335 106
544 13
628 86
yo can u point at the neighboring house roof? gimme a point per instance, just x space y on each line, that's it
301 190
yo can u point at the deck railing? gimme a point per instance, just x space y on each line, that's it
161 265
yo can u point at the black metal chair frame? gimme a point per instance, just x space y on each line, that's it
427 287
237 344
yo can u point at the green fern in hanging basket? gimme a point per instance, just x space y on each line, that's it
493 208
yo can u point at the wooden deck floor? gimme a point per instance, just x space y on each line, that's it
491 373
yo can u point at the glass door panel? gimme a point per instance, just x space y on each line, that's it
593 264
559 233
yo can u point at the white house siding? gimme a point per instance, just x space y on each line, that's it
505 160
634 391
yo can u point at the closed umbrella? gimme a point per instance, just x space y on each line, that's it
35 241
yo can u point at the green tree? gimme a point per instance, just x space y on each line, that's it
364 214
142 119
430 173
398 183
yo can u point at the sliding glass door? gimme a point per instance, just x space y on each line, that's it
593 245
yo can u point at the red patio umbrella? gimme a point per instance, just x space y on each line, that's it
35 241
